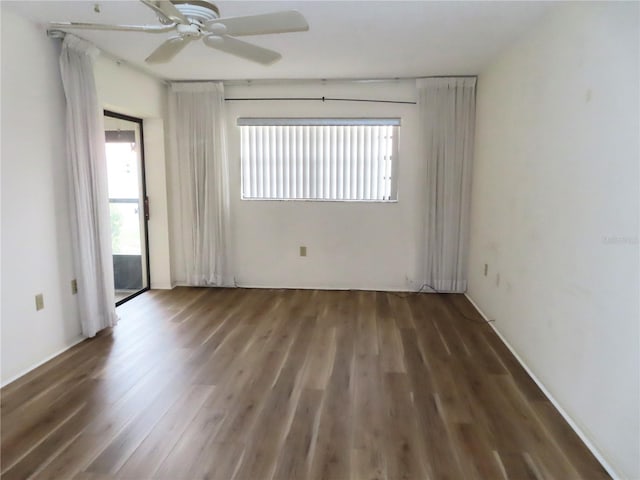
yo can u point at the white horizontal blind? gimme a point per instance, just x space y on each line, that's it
348 162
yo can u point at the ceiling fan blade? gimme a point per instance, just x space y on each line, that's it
168 50
167 9
120 28
242 49
278 22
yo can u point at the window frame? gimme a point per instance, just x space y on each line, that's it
325 122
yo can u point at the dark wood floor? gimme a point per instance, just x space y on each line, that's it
288 384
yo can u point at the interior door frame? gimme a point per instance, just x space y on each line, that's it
145 199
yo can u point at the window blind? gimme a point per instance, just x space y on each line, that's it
319 159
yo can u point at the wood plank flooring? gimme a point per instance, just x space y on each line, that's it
248 384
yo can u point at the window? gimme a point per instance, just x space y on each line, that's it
336 159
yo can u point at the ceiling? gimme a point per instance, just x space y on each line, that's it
346 39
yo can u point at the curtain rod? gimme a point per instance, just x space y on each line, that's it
321 99
276 81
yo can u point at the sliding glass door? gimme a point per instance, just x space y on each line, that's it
128 205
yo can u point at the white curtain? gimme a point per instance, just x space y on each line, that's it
88 187
197 129
447 112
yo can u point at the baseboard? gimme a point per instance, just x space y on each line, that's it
311 287
74 342
368 288
596 453
161 286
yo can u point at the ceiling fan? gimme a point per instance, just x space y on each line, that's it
189 20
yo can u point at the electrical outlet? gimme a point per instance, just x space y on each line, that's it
74 286
303 251
39 301
486 269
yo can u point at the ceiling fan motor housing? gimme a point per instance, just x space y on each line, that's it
198 11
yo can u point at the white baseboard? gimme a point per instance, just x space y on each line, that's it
596 453
313 287
376 288
12 379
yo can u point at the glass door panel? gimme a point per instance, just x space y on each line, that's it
125 172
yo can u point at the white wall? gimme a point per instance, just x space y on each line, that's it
36 253
349 245
125 90
555 215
